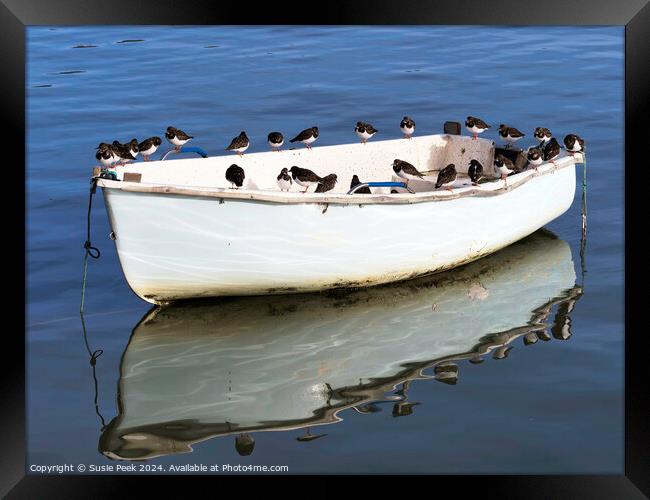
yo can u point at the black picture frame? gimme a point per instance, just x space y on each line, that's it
15 15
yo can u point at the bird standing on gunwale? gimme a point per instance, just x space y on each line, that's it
326 184
276 140
239 144
406 171
284 180
356 182
365 131
125 152
149 147
235 175
551 150
475 126
304 177
510 134
504 165
177 137
307 136
407 126
535 157
543 135
574 144
446 177
475 171
105 154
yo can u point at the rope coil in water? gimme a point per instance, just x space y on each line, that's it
89 249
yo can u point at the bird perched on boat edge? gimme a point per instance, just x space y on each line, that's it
504 165
407 126
365 131
356 182
326 184
551 150
510 134
235 175
284 180
239 144
406 171
106 155
276 140
475 126
475 171
149 147
304 177
307 136
574 144
446 177
125 152
535 157
543 135
177 137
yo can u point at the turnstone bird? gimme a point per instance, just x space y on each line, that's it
177 137
475 171
304 177
543 135
276 140
365 131
307 136
551 150
574 144
235 175
446 177
535 157
406 171
149 147
105 155
123 151
239 144
327 184
356 182
407 126
284 180
504 165
510 134
475 126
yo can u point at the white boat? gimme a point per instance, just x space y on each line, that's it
202 369
181 232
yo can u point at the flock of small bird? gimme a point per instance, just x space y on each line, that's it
547 150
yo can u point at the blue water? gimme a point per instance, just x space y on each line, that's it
553 407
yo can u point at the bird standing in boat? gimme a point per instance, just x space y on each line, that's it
475 126
307 136
235 175
356 182
446 177
149 147
177 137
551 150
407 126
284 180
304 177
504 165
475 171
510 134
543 135
326 184
239 144
535 157
406 171
365 131
276 140
574 144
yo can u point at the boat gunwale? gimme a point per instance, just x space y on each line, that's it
281 197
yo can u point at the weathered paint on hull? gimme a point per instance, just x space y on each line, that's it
174 247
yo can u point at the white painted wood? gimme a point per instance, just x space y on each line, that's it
262 363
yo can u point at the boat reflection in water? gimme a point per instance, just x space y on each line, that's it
242 365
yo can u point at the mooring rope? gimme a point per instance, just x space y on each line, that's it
89 249
93 362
